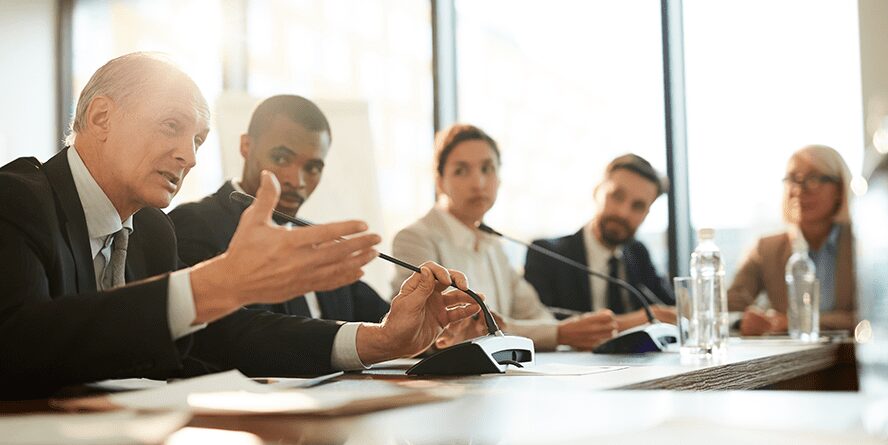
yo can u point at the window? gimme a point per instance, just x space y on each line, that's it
564 87
764 79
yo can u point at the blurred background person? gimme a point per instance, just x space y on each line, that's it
467 163
608 246
815 205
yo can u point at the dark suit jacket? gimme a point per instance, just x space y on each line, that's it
55 329
204 230
563 286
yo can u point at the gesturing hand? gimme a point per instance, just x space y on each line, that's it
268 263
419 313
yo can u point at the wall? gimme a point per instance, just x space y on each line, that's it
27 80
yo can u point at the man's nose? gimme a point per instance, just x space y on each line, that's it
293 177
186 155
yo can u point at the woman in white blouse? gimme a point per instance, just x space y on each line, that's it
467 163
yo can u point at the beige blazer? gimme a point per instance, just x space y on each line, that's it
764 269
435 238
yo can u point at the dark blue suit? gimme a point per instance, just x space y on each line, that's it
204 230
562 286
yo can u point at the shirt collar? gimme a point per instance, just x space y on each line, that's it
102 218
459 234
236 185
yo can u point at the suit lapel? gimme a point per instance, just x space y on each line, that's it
576 250
845 282
71 219
135 254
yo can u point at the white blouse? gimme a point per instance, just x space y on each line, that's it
440 237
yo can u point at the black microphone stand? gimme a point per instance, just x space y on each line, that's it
654 336
491 353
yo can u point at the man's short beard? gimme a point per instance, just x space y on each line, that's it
613 240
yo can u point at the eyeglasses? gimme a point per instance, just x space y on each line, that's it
812 183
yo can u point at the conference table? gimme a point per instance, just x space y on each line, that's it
607 407
637 399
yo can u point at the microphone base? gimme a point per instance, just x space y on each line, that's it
490 354
651 337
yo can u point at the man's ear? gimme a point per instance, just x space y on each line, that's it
245 146
98 117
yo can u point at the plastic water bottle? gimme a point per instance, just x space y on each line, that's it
803 293
711 299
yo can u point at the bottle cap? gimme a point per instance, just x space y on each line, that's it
706 233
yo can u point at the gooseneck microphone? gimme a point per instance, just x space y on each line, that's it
490 353
651 337
582 267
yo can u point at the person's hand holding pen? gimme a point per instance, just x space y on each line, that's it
419 313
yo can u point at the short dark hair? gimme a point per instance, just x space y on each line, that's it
446 140
297 108
640 166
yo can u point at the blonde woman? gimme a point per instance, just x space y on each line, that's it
815 206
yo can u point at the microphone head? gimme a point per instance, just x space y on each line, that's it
487 229
242 198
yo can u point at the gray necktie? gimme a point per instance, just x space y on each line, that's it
115 270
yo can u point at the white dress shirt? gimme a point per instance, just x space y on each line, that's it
102 221
440 237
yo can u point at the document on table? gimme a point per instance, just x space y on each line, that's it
554 369
119 427
233 393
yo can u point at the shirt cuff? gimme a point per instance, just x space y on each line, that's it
180 305
345 349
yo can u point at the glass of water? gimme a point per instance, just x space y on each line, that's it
697 317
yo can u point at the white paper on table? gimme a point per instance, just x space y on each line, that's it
126 384
561 369
118 427
175 395
233 393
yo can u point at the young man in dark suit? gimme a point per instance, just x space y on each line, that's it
607 245
290 137
90 282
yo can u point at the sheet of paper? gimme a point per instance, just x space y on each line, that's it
561 369
119 427
126 384
233 393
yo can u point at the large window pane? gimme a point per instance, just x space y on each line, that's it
764 78
564 88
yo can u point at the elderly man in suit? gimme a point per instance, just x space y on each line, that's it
607 245
290 137
90 283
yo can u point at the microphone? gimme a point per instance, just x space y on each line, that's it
486 354
650 337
